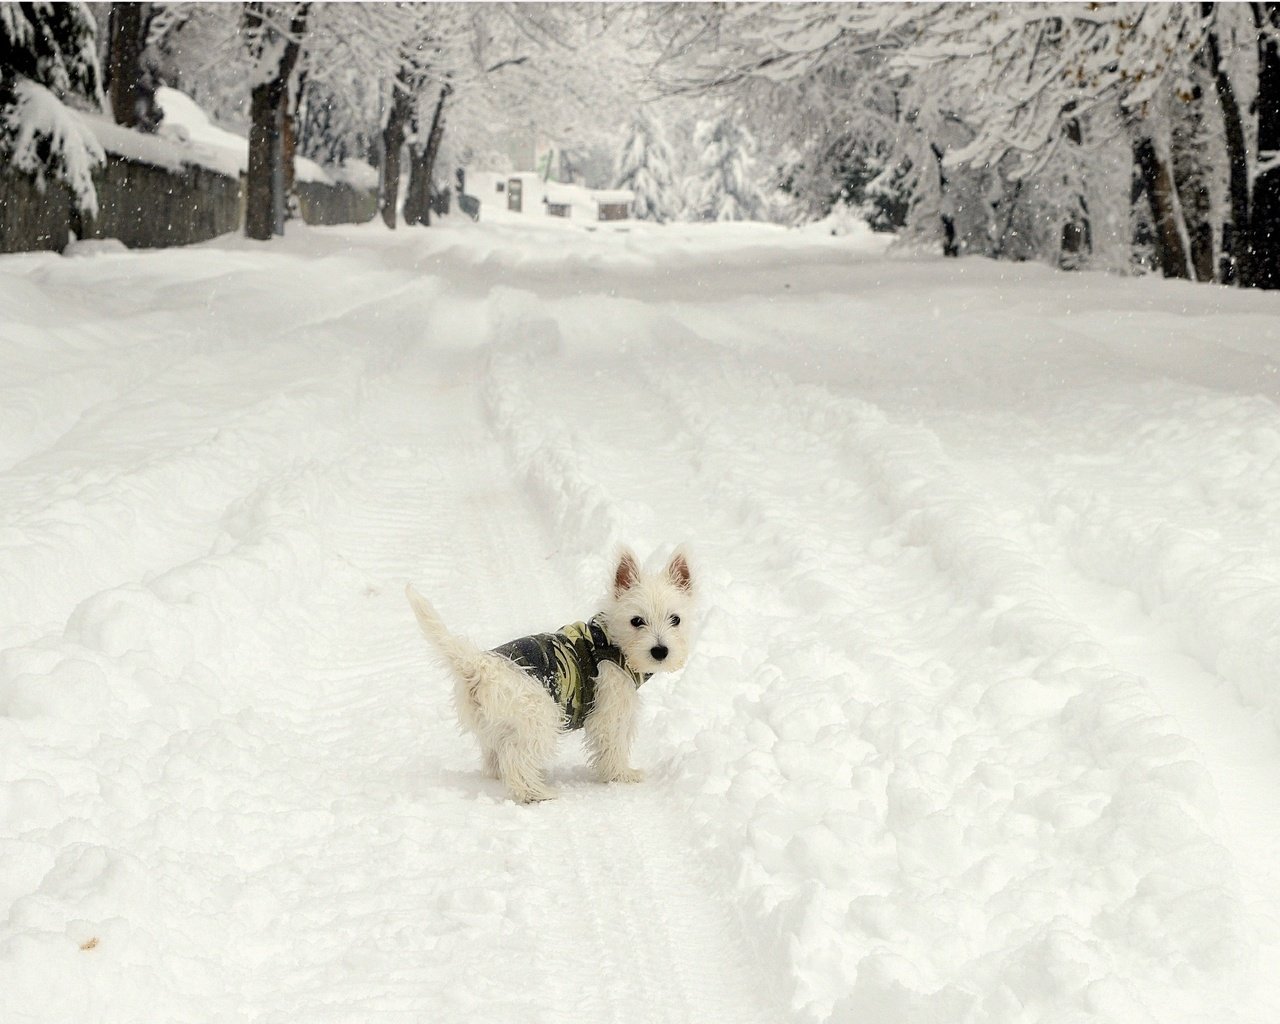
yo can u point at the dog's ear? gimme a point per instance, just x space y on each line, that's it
678 570
627 574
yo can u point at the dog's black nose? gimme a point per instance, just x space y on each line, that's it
658 653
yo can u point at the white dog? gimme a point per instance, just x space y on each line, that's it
518 697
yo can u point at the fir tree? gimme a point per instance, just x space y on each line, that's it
644 167
724 189
48 55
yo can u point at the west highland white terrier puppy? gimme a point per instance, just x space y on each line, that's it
517 698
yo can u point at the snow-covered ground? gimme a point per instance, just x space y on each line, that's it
981 724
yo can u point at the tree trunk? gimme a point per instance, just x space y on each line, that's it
289 147
1077 234
1188 151
259 219
130 83
1000 242
1166 214
1264 214
1235 232
417 201
398 119
950 246
270 160
417 196
1077 240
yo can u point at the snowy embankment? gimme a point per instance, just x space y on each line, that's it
981 723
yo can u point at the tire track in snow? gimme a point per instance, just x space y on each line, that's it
165 473
400 901
973 545
722 494
422 888
1188 662
328 850
626 441
681 955
1239 750
274 806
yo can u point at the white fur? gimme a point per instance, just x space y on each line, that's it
514 719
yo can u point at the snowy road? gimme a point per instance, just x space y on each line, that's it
981 724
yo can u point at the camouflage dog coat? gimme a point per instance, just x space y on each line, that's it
567 664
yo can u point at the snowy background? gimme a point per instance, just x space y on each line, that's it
981 723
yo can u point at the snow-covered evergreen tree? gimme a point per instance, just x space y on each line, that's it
644 166
48 56
724 187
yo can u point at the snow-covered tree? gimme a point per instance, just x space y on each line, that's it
560 71
1014 128
201 52
644 166
48 57
1264 201
369 79
1037 85
724 187
338 117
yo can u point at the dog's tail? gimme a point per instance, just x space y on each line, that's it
457 650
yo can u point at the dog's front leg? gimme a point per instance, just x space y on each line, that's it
610 727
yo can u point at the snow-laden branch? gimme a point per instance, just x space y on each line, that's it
41 137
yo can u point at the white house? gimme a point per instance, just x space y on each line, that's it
526 194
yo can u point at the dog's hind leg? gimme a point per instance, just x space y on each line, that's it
520 726
515 721
522 773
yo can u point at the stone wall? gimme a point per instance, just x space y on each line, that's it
320 203
148 206
31 219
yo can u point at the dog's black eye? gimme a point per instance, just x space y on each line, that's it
638 622
675 620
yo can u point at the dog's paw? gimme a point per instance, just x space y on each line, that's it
536 796
627 775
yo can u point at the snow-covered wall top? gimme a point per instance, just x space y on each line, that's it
165 150
188 137
572 196
613 195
